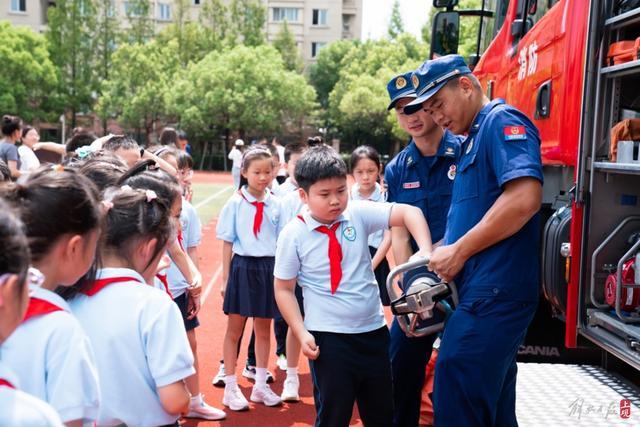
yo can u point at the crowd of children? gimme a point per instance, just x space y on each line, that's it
99 274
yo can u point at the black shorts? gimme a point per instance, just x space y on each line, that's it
183 301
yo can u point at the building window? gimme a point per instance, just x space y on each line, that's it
18 5
164 12
289 14
196 2
111 9
319 17
315 48
132 10
346 23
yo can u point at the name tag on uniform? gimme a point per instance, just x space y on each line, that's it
415 184
515 133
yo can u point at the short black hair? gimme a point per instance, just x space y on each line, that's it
314 141
182 135
365 152
79 140
319 163
118 142
294 148
185 161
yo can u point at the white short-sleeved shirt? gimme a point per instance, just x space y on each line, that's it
275 188
191 237
287 187
140 343
282 171
54 360
28 159
19 409
377 196
235 224
236 156
302 254
291 205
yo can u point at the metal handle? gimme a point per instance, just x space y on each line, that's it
410 265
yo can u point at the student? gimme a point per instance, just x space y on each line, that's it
292 153
186 297
124 147
366 168
169 137
17 408
282 167
142 351
185 174
103 169
183 142
49 352
10 129
248 226
326 251
28 159
235 155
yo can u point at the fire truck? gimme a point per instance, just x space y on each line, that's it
549 58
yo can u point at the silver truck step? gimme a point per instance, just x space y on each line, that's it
574 395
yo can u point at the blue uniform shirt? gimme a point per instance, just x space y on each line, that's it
502 145
425 181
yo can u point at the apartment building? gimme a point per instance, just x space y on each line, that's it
314 23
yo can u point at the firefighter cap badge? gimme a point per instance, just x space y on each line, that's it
400 82
415 81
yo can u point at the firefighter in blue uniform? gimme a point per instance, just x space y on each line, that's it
421 175
490 248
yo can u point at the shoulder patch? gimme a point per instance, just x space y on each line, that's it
415 184
515 133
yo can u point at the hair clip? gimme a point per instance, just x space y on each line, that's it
83 151
151 195
106 206
126 188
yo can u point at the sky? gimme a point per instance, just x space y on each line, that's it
377 13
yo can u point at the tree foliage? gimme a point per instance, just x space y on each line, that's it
71 47
106 36
28 75
325 73
396 26
285 43
140 78
244 89
214 20
248 19
138 13
469 26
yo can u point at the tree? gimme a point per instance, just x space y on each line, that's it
70 31
214 20
140 23
325 73
136 90
28 75
244 89
248 19
285 43
396 26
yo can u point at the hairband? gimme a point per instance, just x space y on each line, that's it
150 194
106 206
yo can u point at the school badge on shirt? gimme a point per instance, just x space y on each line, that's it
349 233
515 133
452 172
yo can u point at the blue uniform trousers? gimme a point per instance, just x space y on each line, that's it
409 359
475 378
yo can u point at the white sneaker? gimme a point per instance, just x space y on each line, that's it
218 380
234 399
249 372
265 395
282 362
290 391
198 408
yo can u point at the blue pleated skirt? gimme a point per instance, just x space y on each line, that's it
249 290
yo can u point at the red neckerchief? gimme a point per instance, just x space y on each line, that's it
165 283
6 383
335 253
257 218
100 284
39 307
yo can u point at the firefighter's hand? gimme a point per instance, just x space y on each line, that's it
421 254
309 347
446 262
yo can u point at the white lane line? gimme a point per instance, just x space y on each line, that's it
209 287
211 197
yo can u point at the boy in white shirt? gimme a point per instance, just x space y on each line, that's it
344 333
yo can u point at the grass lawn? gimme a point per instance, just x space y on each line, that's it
208 199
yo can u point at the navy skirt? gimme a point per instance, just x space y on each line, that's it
249 290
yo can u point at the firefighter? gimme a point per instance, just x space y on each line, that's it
421 175
490 248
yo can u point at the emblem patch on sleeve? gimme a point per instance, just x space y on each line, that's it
415 184
515 133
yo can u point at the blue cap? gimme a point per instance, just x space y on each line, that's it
400 87
432 76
